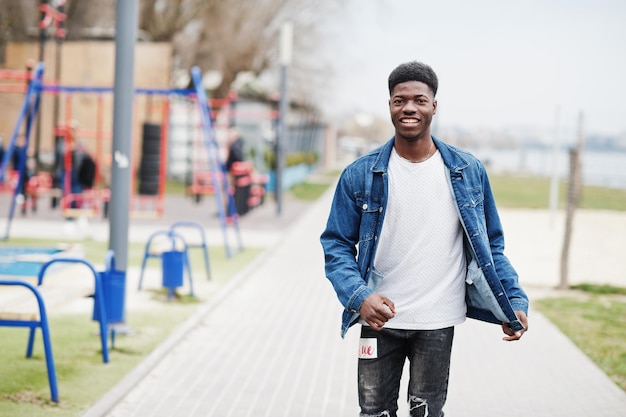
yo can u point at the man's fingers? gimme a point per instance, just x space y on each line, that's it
514 336
388 304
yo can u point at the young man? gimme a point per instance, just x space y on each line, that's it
412 246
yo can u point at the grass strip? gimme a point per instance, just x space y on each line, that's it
595 323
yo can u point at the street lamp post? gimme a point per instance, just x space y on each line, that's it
286 49
125 36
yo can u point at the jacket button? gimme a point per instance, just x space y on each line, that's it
364 206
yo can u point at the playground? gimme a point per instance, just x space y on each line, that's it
71 172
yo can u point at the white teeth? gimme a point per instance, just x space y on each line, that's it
409 120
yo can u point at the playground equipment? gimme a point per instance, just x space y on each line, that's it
27 114
146 202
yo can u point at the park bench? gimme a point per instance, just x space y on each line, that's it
24 304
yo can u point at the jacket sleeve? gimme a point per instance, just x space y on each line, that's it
507 274
339 242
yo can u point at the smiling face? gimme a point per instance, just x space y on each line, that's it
412 106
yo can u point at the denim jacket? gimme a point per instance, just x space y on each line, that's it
355 223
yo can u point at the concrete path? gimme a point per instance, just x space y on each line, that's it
269 345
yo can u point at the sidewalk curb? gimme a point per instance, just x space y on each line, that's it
109 400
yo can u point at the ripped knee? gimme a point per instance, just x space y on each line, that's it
381 414
418 407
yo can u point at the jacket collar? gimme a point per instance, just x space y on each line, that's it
452 157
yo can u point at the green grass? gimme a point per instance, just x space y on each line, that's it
534 192
81 375
596 325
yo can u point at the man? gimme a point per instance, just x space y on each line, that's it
413 245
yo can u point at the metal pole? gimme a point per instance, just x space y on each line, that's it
282 135
286 48
554 180
125 36
42 47
59 35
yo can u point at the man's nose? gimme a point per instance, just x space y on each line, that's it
409 107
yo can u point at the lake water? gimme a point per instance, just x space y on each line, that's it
600 168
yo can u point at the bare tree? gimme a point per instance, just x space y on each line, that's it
162 20
13 23
229 37
88 19
242 35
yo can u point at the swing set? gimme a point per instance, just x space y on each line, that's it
91 198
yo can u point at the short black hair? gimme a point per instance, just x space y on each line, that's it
413 71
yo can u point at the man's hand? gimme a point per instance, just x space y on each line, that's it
515 335
376 310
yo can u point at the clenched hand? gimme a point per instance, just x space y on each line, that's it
376 310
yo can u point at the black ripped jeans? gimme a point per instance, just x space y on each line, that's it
428 352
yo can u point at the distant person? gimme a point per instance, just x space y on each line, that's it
235 154
235 149
82 167
413 245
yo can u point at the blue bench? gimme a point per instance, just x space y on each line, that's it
39 319
40 322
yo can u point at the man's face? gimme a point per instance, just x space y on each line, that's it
412 106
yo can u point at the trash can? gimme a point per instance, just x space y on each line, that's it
173 262
114 289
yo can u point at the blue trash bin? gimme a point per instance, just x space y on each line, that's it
173 262
114 288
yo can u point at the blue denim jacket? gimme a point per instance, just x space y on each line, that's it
355 222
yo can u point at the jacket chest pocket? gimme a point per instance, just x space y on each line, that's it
371 209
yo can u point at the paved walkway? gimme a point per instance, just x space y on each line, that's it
268 344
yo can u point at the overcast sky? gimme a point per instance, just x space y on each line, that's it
500 64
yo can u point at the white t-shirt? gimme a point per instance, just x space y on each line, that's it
420 252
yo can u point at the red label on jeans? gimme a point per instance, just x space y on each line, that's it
367 348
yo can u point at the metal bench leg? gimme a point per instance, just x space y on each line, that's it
31 342
188 265
206 261
47 346
143 266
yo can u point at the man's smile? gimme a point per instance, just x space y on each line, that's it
409 120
